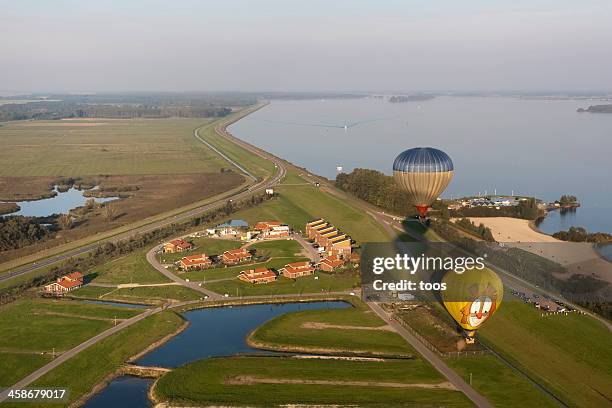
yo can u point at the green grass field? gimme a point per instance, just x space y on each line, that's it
307 284
498 383
15 366
207 382
79 148
277 249
298 204
33 328
338 331
570 355
132 268
143 295
82 372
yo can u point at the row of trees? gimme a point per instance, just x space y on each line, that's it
526 209
61 110
111 250
18 231
480 231
376 188
579 234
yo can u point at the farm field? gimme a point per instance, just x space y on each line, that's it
354 330
96 362
266 381
142 160
52 326
73 148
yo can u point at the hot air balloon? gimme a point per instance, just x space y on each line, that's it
472 297
424 173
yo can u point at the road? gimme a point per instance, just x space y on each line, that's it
259 186
432 358
191 285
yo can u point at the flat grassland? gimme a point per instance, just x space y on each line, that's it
498 383
131 268
52 325
156 165
91 366
151 295
130 146
275 381
334 331
299 202
570 355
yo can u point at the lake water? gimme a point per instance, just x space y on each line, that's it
504 145
60 204
211 332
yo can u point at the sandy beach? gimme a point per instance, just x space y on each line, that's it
577 257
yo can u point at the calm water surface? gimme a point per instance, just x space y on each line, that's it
531 147
211 332
124 391
221 332
60 204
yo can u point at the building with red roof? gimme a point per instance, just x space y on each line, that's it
257 276
234 256
176 245
297 270
64 284
330 263
195 262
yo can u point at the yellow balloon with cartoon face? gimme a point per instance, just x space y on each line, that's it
472 297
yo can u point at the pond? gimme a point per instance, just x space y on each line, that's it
234 223
219 331
124 391
61 203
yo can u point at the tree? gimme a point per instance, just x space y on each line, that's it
90 204
109 212
65 221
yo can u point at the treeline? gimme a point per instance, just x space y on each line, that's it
480 231
526 209
18 231
579 234
376 188
567 199
586 291
111 250
66 110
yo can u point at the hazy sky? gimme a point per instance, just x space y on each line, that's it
305 45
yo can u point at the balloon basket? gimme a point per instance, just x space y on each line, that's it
469 340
